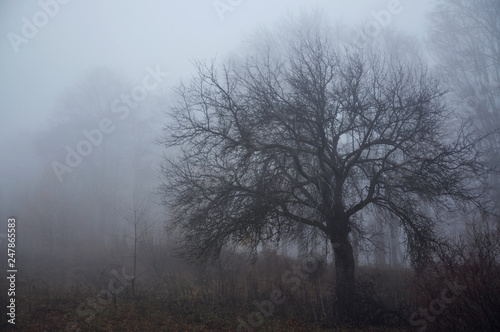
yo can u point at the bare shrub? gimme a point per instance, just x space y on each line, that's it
461 290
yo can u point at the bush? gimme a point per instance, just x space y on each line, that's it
460 291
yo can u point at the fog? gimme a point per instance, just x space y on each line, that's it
38 70
86 87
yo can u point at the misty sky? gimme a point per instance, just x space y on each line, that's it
128 36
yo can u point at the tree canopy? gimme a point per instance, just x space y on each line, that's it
310 131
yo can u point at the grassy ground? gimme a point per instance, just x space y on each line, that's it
143 314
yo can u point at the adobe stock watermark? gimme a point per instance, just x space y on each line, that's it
265 308
103 298
120 106
381 19
221 7
437 306
31 27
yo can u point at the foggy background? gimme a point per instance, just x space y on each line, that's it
124 38
97 76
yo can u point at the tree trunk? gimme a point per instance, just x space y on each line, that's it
345 287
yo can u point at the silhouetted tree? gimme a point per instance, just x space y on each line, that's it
307 130
137 217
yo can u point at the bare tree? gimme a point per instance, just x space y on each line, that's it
137 217
309 131
94 170
465 38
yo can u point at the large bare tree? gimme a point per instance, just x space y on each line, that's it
307 130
